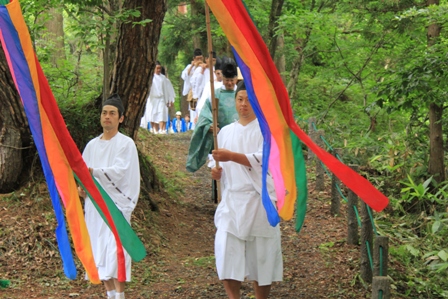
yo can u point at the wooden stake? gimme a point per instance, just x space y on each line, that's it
212 90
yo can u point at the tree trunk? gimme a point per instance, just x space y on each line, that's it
297 66
199 39
280 61
135 60
276 11
436 154
55 34
15 137
110 45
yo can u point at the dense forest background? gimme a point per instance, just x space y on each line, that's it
373 75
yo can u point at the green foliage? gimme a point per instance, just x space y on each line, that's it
422 81
82 120
417 243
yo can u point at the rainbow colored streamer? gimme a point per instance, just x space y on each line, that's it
60 157
282 135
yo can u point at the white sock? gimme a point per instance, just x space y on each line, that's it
111 294
119 295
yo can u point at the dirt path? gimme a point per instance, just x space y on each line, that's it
179 240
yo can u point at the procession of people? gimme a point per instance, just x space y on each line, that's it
247 247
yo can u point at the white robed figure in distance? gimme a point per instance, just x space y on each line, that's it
161 97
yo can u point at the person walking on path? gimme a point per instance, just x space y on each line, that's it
113 160
246 246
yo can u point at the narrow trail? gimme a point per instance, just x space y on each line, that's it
179 239
317 261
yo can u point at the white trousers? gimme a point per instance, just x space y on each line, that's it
257 260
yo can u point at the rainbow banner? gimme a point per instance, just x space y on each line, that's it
61 160
282 136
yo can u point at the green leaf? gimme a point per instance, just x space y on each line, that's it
436 226
443 255
412 250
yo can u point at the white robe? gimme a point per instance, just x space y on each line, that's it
198 81
161 93
206 94
116 167
187 78
241 210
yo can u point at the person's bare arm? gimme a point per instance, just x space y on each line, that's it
224 155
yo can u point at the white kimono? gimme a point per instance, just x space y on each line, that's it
246 245
161 93
241 210
187 78
198 81
116 167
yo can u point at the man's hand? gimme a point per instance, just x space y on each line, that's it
211 130
216 173
222 155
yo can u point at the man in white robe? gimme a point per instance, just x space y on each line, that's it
160 97
200 76
113 160
246 246
206 93
187 75
170 98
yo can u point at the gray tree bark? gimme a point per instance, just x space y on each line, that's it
15 137
436 155
136 58
55 34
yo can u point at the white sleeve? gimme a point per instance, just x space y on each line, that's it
122 180
204 97
196 83
168 91
184 74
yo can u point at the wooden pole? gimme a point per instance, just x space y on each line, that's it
312 133
320 171
366 244
380 255
381 287
335 207
352 218
212 90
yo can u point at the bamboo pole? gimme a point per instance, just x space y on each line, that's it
212 90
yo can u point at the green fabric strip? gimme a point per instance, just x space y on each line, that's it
4 2
301 183
129 239
202 142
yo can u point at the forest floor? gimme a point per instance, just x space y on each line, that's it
179 239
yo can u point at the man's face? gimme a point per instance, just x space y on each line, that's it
229 83
218 74
243 106
110 118
208 60
199 58
158 70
